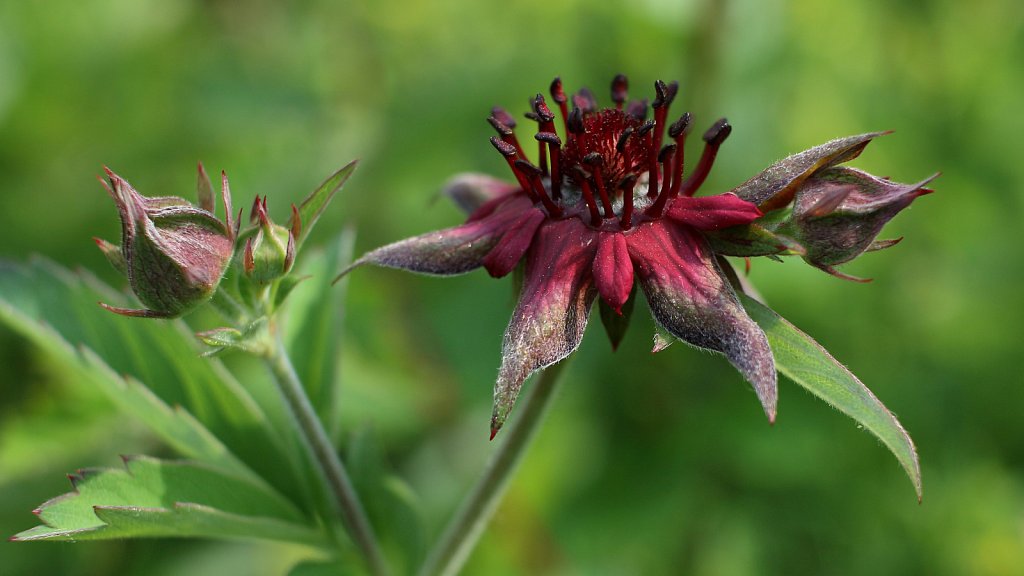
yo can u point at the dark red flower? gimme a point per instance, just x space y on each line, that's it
610 203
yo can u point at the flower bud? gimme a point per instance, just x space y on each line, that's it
839 211
174 253
270 252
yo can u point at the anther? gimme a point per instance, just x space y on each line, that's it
637 109
502 129
584 99
620 87
540 108
509 152
502 115
680 126
644 128
718 132
497 120
575 121
713 138
620 146
678 131
558 95
661 93
666 153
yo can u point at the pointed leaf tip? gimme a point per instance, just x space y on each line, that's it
804 361
314 205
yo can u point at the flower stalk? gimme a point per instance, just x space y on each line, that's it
329 466
466 527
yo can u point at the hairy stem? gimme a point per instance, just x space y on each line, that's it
465 529
330 469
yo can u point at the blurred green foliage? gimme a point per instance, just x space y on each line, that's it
647 464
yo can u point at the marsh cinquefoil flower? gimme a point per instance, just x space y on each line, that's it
609 203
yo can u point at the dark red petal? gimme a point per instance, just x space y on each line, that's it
548 322
691 299
510 249
452 250
613 270
713 212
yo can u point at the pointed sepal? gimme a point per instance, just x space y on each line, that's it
689 296
774 187
450 251
551 316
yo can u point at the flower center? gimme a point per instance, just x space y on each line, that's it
613 169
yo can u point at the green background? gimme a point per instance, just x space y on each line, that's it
658 464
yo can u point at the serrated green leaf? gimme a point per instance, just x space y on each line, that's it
804 361
313 331
56 309
150 498
314 204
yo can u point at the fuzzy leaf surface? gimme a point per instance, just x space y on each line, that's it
804 361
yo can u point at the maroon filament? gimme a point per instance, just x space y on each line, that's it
678 131
713 138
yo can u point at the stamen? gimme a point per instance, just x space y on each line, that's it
678 131
620 88
558 95
588 195
584 100
665 157
637 109
555 149
665 94
626 186
506 133
641 131
575 122
534 173
502 115
594 159
713 139
509 152
620 146
542 157
545 120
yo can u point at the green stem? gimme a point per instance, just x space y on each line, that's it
330 469
228 307
465 529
